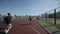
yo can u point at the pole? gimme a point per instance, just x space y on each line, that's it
46 17
55 16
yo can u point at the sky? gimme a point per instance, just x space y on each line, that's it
27 7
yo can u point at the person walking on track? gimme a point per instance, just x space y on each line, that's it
8 21
30 18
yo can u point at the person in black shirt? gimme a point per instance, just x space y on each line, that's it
30 18
8 21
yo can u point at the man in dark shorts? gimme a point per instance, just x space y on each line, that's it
8 21
30 18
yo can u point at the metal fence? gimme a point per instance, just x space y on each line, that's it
52 16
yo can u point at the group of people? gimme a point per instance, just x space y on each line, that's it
8 21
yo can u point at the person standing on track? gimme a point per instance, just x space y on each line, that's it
30 18
8 21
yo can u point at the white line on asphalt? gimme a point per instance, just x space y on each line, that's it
34 29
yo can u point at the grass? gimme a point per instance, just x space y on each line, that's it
49 24
53 18
57 26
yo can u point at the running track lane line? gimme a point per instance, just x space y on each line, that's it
32 28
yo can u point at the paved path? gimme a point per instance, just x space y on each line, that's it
24 26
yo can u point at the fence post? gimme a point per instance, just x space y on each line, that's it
54 16
46 17
49 17
42 16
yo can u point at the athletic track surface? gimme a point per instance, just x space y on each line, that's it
24 26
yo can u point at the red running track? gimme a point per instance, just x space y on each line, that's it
24 26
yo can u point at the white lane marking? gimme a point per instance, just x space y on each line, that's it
34 29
